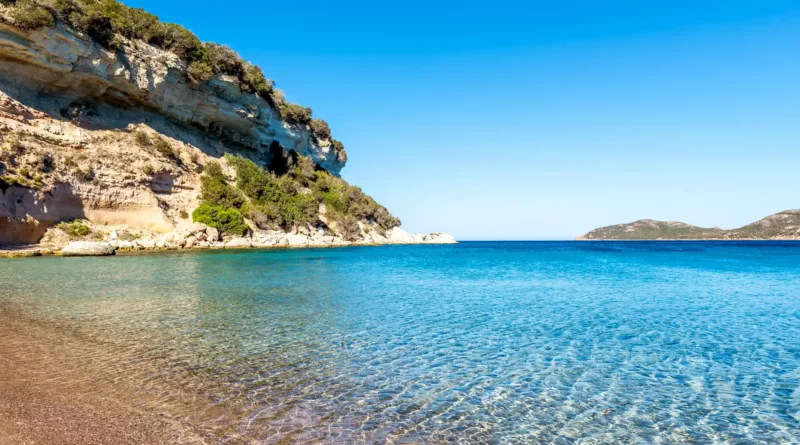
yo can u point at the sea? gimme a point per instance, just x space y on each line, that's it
475 343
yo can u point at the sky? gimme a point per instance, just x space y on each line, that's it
539 120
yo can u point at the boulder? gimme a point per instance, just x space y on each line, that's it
124 245
297 240
190 242
238 243
84 248
440 238
213 234
376 238
146 243
198 228
400 236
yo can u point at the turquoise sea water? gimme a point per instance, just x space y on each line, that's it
545 342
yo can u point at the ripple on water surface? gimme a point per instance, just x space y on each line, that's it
475 343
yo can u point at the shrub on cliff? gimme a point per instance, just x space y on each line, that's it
295 114
181 41
214 188
28 14
200 71
224 60
289 203
346 199
74 229
347 225
226 220
283 194
265 216
321 129
338 147
253 81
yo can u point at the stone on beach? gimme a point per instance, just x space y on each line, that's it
238 243
85 248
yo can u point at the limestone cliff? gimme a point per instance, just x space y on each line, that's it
119 140
53 68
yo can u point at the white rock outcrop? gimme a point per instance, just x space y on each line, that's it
400 236
84 248
238 243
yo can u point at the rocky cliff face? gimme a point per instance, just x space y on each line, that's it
55 67
119 140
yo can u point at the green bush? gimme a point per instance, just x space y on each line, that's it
265 216
165 149
74 229
28 14
295 114
224 60
182 42
226 220
46 163
347 225
214 188
200 72
254 81
284 200
142 138
277 97
321 129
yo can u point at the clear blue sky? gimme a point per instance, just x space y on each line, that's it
540 120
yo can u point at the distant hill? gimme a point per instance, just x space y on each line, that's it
783 225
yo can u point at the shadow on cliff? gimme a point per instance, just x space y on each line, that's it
112 110
26 214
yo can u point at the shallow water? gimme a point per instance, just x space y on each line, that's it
549 342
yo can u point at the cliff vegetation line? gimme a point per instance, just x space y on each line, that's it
285 199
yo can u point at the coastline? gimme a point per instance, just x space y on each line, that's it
32 251
202 237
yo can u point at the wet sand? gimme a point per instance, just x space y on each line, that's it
44 401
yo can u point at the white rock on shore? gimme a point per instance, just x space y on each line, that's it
84 248
400 236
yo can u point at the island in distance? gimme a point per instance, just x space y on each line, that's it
780 226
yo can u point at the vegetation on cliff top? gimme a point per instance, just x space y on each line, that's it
783 225
650 230
287 198
106 20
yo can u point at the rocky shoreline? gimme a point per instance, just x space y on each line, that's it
199 237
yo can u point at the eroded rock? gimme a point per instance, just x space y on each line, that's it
85 248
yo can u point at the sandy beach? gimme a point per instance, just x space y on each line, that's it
37 407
